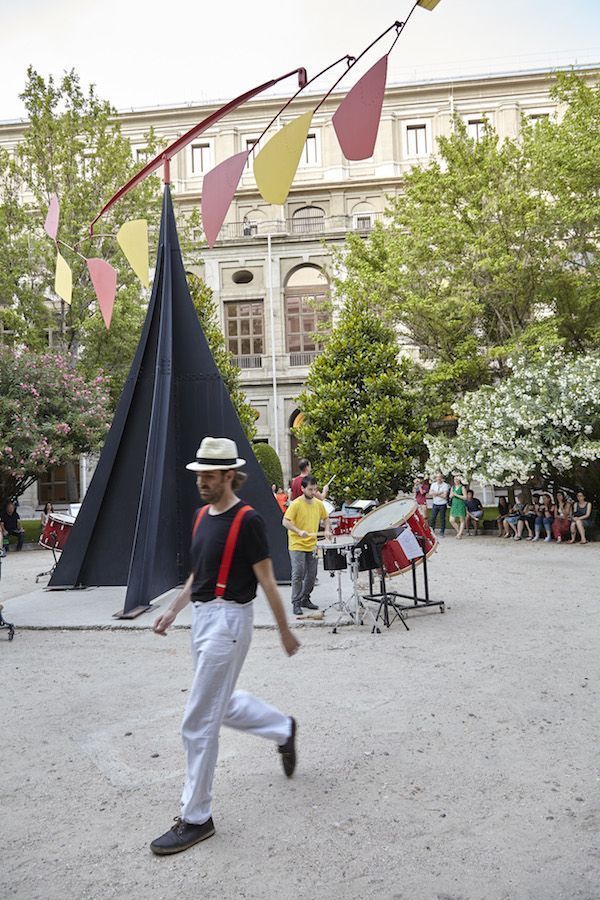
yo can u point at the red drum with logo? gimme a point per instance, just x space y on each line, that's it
391 517
56 531
342 524
395 560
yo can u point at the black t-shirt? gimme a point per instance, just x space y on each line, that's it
11 521
208 545
474 505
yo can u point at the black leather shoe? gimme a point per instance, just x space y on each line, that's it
182 836
297 610
309 605
288 751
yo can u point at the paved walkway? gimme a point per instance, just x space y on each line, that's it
456 761
32 606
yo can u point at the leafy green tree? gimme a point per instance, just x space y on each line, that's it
204 304
566 174
361 411
73 147
491 249
48 416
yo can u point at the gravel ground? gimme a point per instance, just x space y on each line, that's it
457 761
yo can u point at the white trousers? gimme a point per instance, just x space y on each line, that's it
221 636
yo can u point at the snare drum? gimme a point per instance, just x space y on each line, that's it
395 560
56 531
335 554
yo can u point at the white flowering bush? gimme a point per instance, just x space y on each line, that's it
543 419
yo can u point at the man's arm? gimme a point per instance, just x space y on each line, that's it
264 574
287 523
168 617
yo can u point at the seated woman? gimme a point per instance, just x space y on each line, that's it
474 512
512 520
582 518
503 510
545 517
527 521
561 524
45 514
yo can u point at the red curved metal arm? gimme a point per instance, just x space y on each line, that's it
165 156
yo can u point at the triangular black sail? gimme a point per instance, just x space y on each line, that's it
135 521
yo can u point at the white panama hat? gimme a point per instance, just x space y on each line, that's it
216 453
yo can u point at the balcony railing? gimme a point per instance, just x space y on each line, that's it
305 358
248 362
360 222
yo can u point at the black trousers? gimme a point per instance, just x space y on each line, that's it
19 536
439 509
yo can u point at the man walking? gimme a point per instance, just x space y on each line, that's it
304 517
439 492
230 554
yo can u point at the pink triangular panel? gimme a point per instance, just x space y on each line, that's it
218 188
104 279
356 120
51 223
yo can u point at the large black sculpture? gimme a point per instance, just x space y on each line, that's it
135 522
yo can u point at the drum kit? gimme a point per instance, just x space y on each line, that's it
54 537
392 539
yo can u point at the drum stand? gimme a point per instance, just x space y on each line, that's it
53 548
390 599
353 606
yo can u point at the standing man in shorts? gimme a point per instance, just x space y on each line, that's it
230 554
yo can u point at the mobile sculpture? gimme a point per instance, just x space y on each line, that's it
134 524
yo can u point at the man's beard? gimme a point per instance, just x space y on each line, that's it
212 494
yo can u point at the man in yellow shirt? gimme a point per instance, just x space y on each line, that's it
303 519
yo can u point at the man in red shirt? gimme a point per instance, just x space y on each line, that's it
305 468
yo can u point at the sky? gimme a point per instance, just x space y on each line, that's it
150 54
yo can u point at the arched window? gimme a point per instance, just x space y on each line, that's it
307 309
308 219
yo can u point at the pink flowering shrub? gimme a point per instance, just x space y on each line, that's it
48 416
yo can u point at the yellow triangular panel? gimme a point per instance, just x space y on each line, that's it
63 279
133 241
276 164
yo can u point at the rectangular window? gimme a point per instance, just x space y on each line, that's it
363 222
250 145
476 129
60 484
416 140
245 328
304 314
200 158
309 155
142 156
536 117
7 337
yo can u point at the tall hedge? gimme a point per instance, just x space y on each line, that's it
270 463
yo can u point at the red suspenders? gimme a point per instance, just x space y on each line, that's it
230 545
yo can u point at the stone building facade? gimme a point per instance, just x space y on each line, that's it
270 269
